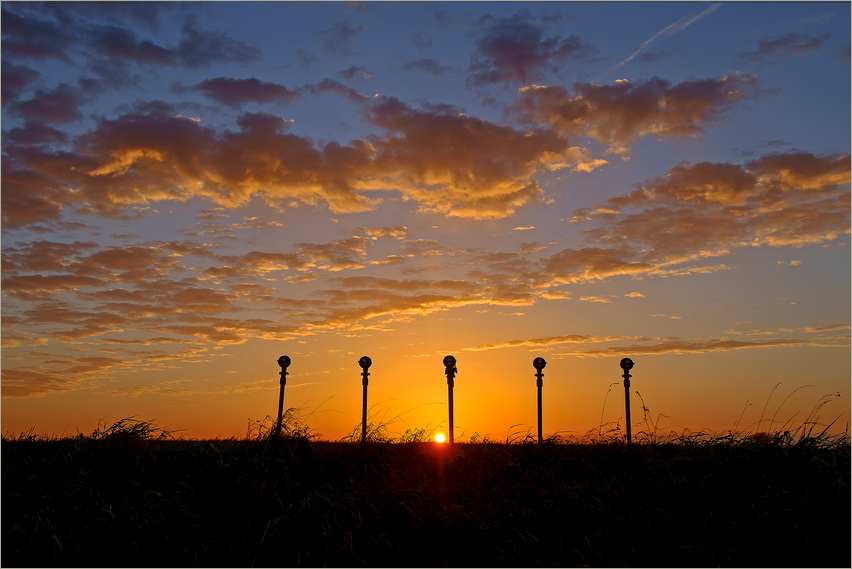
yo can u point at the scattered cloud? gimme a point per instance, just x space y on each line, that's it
235 92
515 52
428 65
35 38
355 72
616 115
678 346
547 341
337 38
771 49
15 80
652 346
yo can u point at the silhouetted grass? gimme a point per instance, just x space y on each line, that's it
134 495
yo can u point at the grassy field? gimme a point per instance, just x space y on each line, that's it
131 495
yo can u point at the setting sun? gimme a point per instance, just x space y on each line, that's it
439 438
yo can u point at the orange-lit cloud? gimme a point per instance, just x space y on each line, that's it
616 115
598 299
706 210
445 161
548 341
678 346
643 345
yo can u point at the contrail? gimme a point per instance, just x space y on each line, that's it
665 32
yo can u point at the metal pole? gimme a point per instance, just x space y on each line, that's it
627 365
539 364
284 362
451 370
365 364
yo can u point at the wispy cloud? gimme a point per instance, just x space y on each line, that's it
781 47
670 30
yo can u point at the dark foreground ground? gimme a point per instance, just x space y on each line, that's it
84 502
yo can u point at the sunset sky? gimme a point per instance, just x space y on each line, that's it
190 191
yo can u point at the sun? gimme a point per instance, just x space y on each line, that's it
439 438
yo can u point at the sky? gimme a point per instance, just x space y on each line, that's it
191 190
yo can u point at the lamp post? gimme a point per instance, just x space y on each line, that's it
365 364
539 364
451 370
284 362
627 364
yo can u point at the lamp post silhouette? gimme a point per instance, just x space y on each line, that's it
627 364
451 371
284 362
365 364
539 364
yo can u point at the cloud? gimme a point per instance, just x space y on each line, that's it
477 169
111 45
34 132
235 92
427 65
546 341
33 383
15 80
669 30
407 285
423 248
157 301
828 328
120 42
651 346
338 37
331 86
616 115
60 105
392 232
389 260
599 299
34 38
678 346
635 295
198 48
705 210
534 247
305 58
435 156
337 255
59 374
422 40
32 287
514 52
42 256
150 157
256 263
783 46
593 263
355 72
